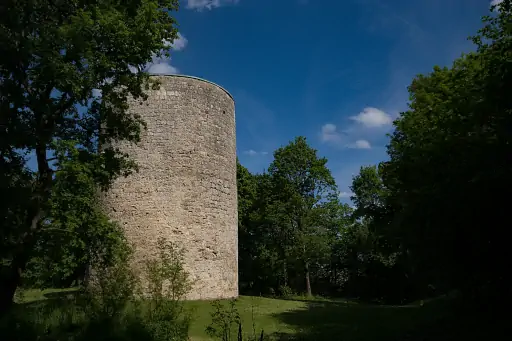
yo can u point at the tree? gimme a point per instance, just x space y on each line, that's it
53 55
301 181
77 233
450 160
369 192
259 238
246 189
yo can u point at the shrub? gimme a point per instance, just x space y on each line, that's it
285 291
226 320
111 308
168 283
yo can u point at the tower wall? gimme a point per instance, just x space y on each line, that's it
185 189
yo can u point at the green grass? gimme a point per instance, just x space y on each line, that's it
324 319
35 295
258 310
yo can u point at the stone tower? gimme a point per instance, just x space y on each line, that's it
185 189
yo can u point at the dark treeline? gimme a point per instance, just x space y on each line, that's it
428 221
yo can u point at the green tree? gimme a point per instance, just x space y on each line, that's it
337 219
260 261
77 233
53 54
450 160
301 182
369 192
247 190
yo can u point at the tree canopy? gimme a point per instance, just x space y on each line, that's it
430 218
55 56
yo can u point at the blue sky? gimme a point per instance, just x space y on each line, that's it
335 71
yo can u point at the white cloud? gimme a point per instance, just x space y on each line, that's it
162 65
162 68
372 118
360 144
330 133
252 152
496 3
178 44
208 4
159 65
346 194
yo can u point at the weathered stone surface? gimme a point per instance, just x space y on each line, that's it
185 189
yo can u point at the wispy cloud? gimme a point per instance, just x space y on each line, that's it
252 152
162 65
346 195
360 144
363 128
200 5
178 44
373 118
162 68
496 3
330 133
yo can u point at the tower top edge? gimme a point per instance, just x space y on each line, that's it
196 78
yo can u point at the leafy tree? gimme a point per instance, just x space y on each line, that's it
260 256
247 188
77 233
337 219
450 159
53 54
369 192
301 181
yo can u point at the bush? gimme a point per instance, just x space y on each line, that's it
285 291
226 321
168 283
111 308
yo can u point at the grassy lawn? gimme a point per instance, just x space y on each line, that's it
321 319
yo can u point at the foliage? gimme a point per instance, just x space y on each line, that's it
53 55
289 219
77 232
369 192
226 320
426 222
449 160
285 291
223 321
110 307
168 284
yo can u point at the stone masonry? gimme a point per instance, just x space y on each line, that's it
185 189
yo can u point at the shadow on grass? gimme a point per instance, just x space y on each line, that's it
60 295
443 320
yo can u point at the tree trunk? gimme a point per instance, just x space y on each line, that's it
8 285
308 282
285 273
10 281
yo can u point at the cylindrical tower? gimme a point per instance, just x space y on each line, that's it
185 189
